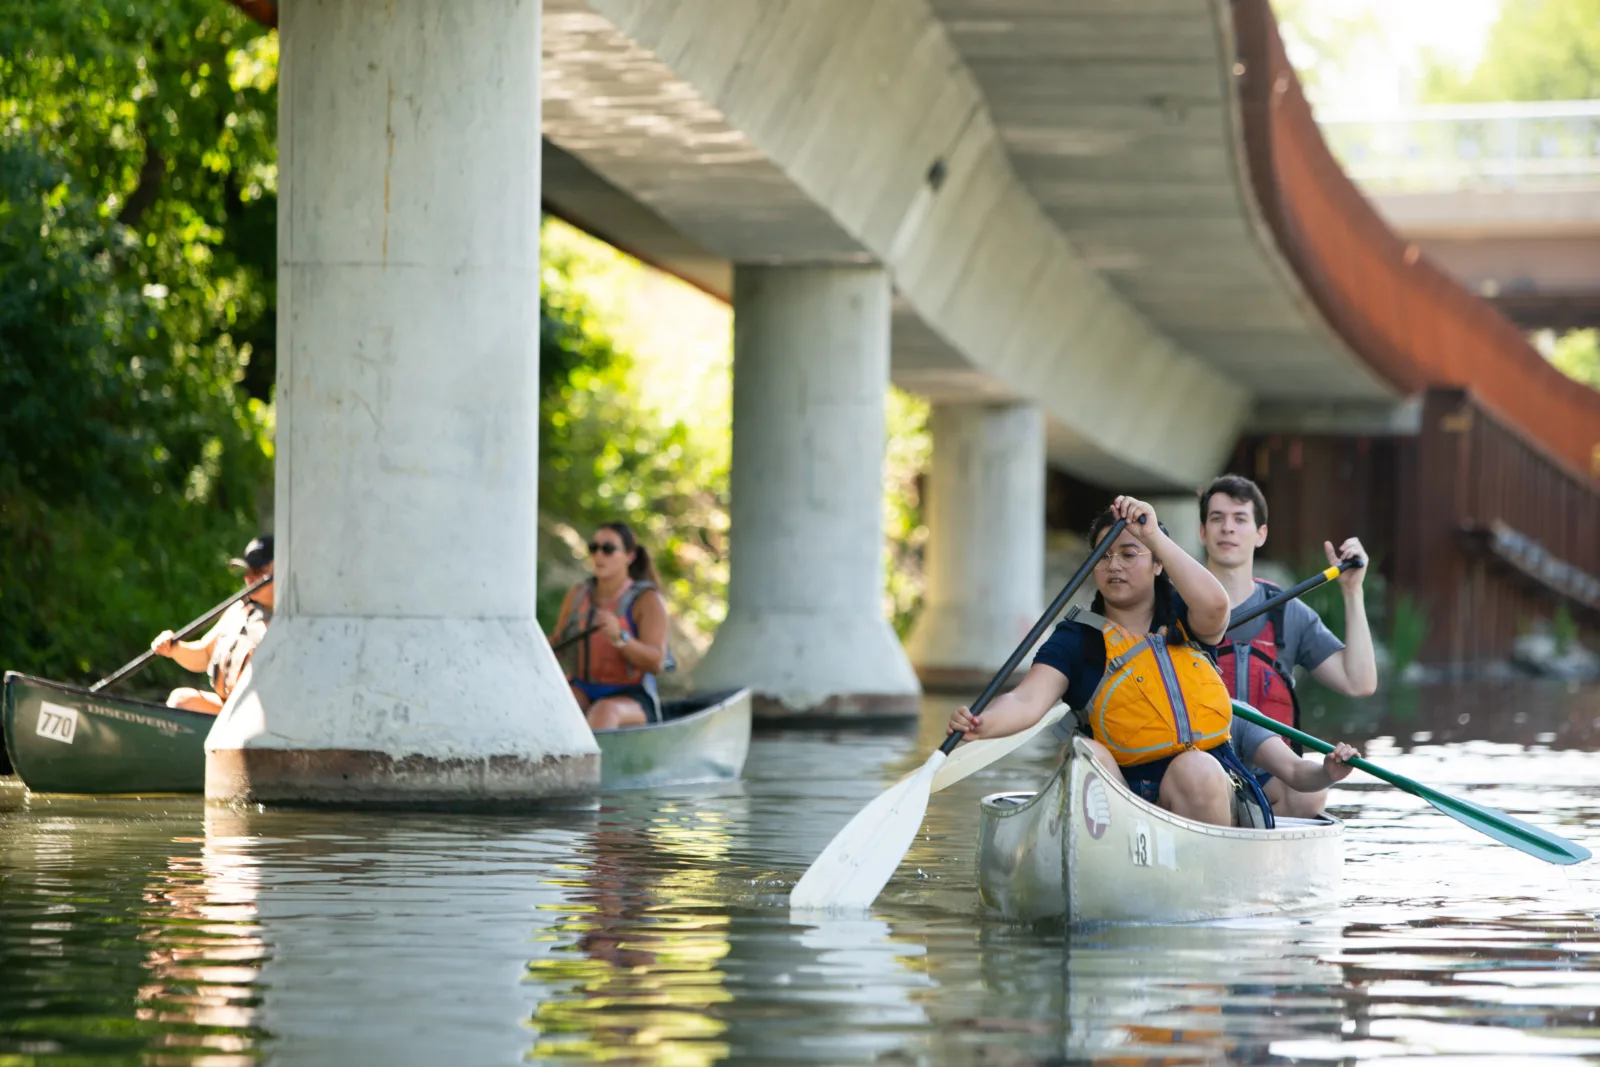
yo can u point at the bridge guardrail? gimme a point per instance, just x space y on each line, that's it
1532 146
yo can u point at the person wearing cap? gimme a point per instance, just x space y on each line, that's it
224 652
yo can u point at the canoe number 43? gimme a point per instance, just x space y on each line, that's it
57 723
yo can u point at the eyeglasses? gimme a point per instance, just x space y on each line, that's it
1127 555
605 548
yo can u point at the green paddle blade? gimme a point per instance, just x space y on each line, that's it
1552 848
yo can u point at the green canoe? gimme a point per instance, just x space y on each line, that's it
65 739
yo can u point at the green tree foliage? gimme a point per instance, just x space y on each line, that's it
1537 50
136 265
606 456
1577 355
1322 39
907 456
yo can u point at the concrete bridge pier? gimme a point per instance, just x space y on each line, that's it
986 526
404 666
805 623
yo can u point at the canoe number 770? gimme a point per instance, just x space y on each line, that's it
57 723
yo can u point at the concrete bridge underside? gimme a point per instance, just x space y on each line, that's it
1058 192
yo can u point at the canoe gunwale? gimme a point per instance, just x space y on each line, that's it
111 698
1325 826
726 697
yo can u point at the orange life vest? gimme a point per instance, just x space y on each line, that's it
595 658
1157 697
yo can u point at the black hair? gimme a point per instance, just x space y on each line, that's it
1235 487
642 568
1166 612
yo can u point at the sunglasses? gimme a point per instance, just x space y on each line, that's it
605 548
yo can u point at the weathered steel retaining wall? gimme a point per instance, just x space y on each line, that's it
1469 517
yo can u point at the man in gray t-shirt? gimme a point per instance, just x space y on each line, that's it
1307 642
1233 524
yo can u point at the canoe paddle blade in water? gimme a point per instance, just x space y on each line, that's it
1536 842
862 857
1524 837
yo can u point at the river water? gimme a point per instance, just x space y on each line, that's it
655 930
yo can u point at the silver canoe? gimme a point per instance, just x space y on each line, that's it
1086 849
701 739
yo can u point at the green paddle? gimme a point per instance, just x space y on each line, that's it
1552 848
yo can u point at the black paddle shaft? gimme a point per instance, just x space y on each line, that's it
204 620
574 639
1299 589
1049 616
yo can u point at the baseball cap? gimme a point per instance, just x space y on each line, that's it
257 554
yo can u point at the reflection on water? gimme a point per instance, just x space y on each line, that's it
655 931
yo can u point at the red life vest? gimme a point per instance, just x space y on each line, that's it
1254 671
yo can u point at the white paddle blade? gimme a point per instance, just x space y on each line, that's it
974 756
861 858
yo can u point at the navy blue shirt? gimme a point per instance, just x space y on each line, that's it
1078 651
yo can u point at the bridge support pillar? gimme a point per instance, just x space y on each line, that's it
404 666
805 623
1180 514
986 525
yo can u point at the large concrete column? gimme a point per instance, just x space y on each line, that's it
985 562
404 665
805 623
1180 514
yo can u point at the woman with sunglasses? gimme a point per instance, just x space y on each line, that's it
612 670
1136 667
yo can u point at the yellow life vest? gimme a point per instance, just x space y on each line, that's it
1157 698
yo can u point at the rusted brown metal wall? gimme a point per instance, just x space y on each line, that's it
1416 502
1471 470
1413 324
1324 488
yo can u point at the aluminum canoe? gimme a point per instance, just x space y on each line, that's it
1085 849
703 738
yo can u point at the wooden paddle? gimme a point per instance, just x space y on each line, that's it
858 862
1552 848
203 621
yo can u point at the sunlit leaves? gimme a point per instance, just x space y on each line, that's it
135 293
1537 50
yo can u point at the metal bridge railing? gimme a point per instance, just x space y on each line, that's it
1547 145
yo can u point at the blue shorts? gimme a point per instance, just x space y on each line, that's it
1145 778
600 690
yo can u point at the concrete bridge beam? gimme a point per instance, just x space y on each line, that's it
985 563
404 665
805 623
